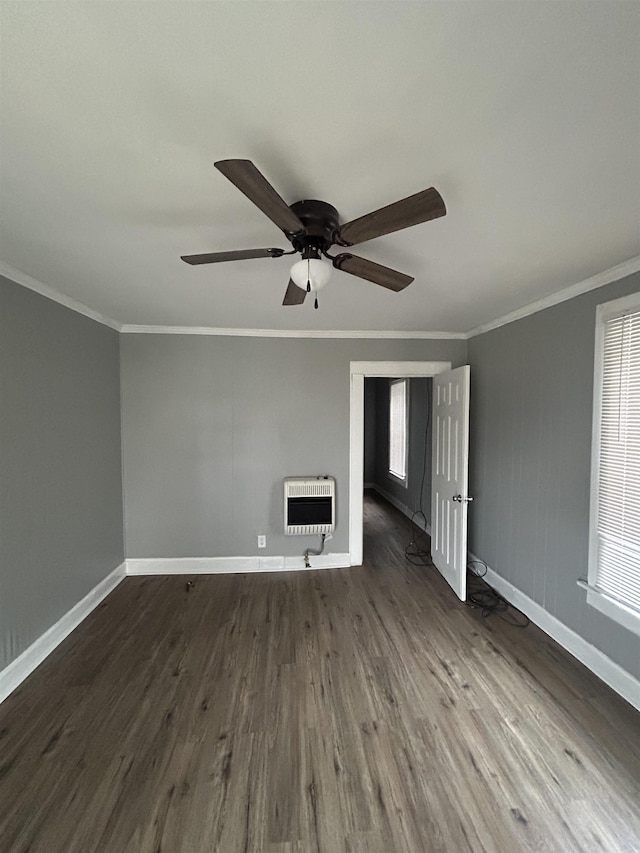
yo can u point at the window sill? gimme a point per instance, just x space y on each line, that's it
402 481
611 607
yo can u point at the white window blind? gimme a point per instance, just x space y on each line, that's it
615 570
398 429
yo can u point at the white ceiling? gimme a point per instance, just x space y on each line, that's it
524 115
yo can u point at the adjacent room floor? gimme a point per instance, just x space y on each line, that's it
363 710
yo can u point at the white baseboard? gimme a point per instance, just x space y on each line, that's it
16 672
418 520
232 565
625 684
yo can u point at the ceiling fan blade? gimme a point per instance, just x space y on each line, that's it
246 177
294 295
376 273
240 255
413 210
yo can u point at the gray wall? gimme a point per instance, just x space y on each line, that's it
419 440
60 480
531 420
212 425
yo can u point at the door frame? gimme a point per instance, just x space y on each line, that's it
359 370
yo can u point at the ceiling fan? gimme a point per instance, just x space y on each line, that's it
313 227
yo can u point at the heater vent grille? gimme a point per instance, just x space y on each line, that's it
309 488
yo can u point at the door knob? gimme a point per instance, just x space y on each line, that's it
461 500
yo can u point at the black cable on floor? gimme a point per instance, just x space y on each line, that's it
480 594
418 551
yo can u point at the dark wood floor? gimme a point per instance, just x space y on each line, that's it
362 710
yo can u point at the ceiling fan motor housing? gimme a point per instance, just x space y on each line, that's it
320 220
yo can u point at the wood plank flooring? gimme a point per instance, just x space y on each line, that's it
360 710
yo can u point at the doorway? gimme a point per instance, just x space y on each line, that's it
397 450
360 371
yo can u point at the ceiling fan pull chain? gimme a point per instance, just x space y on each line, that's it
308 278
315 302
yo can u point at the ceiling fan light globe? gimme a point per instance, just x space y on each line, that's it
314 271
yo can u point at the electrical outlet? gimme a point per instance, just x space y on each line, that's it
262 540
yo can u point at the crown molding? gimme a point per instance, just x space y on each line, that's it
606 277
593 283
49 292
288 333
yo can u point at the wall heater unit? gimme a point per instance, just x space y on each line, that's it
309 505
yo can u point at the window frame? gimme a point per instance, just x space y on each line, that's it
394 475
620 611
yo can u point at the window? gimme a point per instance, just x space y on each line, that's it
614 551
398 399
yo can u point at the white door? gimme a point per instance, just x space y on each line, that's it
450 476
